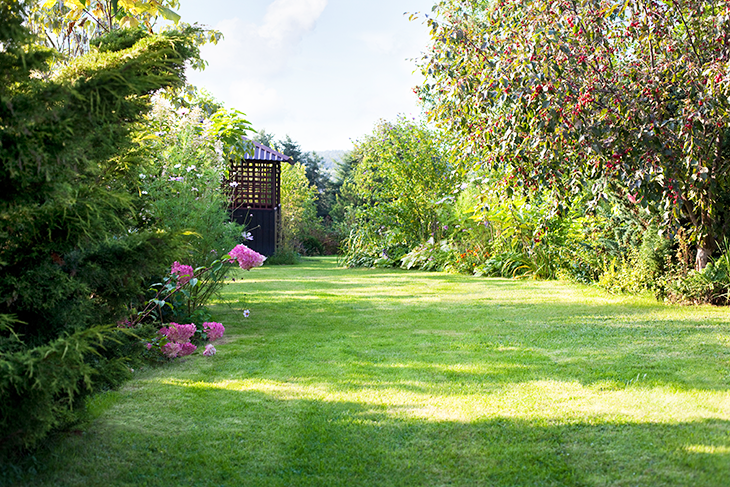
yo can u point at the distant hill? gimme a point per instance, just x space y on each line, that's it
330 156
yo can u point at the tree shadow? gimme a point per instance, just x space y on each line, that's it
247 437
586 343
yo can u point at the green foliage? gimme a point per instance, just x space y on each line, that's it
298 208
180 184
711 285
284 256
119 39
621 98
230 128
643 268
430 256
40 386
392 193
74 27
73 256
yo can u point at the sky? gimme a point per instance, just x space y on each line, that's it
321 71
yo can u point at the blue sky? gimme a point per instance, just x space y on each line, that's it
321 71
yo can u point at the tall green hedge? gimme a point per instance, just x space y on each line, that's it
72 255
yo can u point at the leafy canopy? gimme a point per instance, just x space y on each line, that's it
621 97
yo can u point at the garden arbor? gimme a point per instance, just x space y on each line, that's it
255 195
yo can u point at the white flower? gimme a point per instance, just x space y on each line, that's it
233 184
144 192
190 168
142 176
246 313
176 166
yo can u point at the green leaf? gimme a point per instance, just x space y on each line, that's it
169 14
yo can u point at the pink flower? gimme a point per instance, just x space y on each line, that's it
213 330
247 258
209 350
186 349
183 272
179 333
149 346
171 349
125 323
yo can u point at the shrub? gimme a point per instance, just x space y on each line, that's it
389 200
181 184
430 256
711 285
642 269
73 255
284 256
299 218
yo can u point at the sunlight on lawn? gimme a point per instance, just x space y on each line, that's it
388 378
533 400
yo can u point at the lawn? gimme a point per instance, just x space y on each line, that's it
355 377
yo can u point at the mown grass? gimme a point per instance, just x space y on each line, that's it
391 378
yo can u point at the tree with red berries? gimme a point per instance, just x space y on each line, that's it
629 98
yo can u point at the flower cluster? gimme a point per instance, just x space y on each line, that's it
247 258
178 333
183 272
209 350
179 340
213 330
173 349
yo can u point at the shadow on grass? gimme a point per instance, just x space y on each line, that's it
261 440
494 343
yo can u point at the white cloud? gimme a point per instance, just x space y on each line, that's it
266 47
287 21
257 98
321 71
245 65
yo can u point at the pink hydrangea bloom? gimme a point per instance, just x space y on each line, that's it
209 350
179 333
247 258
186 349
171 349
183 272
213 330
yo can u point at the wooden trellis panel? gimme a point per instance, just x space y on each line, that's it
255 184
254 190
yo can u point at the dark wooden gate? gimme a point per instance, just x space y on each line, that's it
255 196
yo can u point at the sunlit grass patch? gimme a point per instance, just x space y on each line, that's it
384 377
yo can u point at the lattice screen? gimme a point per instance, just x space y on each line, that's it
254 184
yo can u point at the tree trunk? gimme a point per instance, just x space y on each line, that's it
703 257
